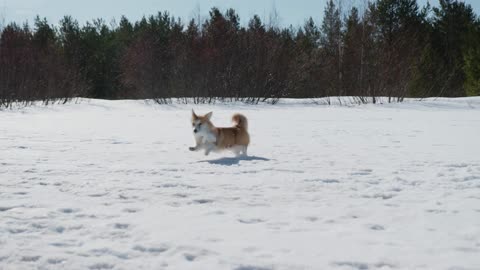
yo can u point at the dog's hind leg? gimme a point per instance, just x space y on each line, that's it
237 150
244 150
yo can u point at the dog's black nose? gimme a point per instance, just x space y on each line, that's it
195 131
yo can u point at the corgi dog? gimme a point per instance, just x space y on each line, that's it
210 138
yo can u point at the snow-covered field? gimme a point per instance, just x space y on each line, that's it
112 185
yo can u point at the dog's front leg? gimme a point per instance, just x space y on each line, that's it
198 145
208 148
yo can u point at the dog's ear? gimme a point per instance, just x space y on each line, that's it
194 116
209 115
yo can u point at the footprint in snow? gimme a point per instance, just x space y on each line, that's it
217 213
100 266
362 172
16 230
251 221
353 265
326 181
6 208
64 245
189 257
376 227
68 210
364 266
96 195
251 267
130 210
150 249
30 258
121 226
120 142
436 211
55 261
379 196
458 165
202 201
59 229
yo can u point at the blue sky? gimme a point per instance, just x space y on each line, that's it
290 11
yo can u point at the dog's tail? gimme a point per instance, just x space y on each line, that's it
240 121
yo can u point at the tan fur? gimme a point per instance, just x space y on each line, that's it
225 137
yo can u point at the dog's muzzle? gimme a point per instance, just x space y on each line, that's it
195 131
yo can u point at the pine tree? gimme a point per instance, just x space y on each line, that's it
399 26
353 54
472 62
452 23
332 47
44 35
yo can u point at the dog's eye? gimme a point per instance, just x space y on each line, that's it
200 124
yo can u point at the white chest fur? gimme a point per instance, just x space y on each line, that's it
206 137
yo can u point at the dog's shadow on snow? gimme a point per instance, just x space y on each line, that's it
229 161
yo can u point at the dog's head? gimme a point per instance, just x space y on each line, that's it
201 123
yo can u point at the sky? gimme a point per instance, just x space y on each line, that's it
293 12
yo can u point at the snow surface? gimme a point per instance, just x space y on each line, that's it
112 185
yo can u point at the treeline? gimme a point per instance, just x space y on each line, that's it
388 48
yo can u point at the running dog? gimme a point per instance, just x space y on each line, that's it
211 138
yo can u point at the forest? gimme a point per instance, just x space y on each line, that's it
386 48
